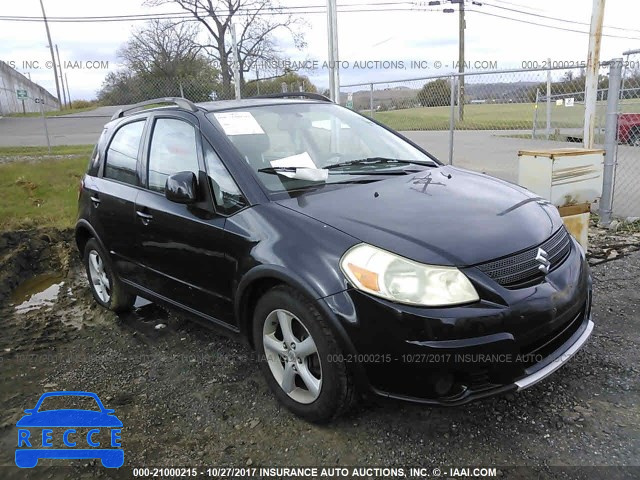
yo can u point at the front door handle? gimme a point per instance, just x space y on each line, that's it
144 217
95 200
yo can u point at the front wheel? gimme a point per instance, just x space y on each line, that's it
299 356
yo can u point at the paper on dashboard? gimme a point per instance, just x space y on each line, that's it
239 123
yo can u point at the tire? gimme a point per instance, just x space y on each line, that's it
336 391
106 287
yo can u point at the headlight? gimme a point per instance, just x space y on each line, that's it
399 279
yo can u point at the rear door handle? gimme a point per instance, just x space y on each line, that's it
95 200
144 217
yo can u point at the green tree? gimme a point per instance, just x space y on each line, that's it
295 82
435 94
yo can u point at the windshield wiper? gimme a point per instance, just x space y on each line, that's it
377 161
299 173
292 172
276 170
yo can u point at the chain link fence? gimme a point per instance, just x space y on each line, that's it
626 198
127 90
545 104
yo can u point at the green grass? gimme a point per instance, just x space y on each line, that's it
508 116
42 194
54 113
39 151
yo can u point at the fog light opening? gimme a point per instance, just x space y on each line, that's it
444 384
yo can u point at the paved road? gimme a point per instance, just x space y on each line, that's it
491 152
77 129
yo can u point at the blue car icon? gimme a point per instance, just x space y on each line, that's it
32 446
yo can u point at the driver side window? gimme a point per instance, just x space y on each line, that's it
173 150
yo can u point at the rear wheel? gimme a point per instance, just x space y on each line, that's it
105 285
299 356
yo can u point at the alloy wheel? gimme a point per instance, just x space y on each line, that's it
99 278
292 356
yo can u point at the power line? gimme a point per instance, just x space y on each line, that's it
549 26
554 18
481 3
518 5
181 16
306 9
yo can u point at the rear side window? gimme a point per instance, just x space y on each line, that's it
173 150
94 161
122 155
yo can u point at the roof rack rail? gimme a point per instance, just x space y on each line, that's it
179 101
309 95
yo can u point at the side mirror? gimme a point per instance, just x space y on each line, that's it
182 187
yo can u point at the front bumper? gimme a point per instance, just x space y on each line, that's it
508 341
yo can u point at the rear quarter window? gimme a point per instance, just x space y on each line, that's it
94 160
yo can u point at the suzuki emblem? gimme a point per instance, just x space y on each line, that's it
543 258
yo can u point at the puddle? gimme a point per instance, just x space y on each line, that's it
146 318
37 292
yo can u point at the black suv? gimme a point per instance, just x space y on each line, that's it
351 259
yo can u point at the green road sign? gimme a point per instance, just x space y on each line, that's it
350 100
22 94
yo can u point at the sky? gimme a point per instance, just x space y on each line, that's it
420 35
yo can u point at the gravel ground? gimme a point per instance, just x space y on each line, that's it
192 396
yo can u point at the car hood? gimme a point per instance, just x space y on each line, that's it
69 418
444 216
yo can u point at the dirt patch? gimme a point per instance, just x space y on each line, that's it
26 253
193 396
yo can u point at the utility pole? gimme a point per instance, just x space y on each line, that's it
64 95
593 68
53 58
549 101
66 80
334 68
236 61
610 141
461 27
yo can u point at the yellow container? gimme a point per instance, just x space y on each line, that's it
576 218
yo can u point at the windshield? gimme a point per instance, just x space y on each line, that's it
277 140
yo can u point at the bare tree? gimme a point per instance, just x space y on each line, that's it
161 59
257 21
162 48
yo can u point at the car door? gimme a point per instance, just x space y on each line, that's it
113 193
181 248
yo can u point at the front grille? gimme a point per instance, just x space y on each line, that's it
521 270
